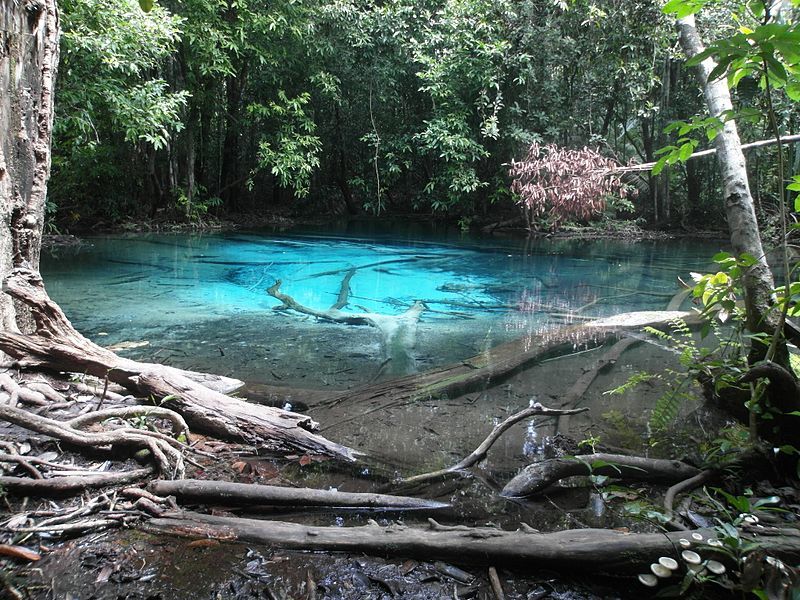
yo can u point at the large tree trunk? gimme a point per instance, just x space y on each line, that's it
28 59
739 208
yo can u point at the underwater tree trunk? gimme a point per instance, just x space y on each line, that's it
739 208
29 35
496 364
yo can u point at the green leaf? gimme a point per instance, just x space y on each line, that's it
659 166
700 57
146 5
685 151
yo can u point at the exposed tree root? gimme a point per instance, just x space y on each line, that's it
58 346
684 486
251 495
539 476
482 450
168 458
70 484
587 550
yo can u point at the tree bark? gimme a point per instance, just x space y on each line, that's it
250 495
585 550
29 35
540 475
739 208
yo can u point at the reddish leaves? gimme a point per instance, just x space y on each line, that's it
563 183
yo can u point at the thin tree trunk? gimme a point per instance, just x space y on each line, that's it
739 208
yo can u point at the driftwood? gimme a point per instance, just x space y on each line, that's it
578 389
70 484
481 451
502 361
539 476
245 494
57 346
589 550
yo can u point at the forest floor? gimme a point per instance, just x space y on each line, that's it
397 441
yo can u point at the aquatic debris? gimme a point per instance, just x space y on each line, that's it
648 580
668 562
660 570
691 557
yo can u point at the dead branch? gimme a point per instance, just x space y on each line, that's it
540 475
398 332
482 450
759 144
245 494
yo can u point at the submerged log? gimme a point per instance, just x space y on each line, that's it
539 476
248 494
398 332
57 346
501 362
588 550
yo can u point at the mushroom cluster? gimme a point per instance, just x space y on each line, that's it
666 566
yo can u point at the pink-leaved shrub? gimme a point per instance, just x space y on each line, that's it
557 184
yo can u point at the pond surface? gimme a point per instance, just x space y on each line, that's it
200 300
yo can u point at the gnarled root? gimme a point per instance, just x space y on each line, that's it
165 450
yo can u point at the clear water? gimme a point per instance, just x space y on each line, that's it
200 300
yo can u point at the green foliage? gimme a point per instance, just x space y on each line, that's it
292 152
107 54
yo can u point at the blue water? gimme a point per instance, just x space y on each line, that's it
199 300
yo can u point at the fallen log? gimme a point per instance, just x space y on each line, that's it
501 362
70 484
247 494
540 475
588 550
57 346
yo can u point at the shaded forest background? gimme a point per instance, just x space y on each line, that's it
205 108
